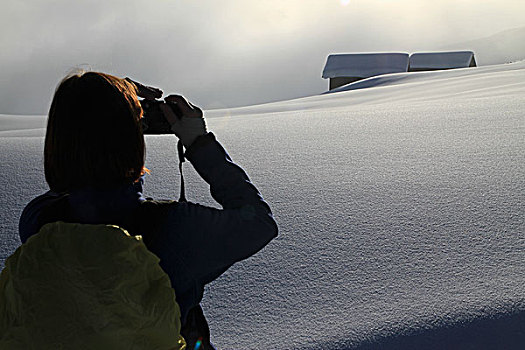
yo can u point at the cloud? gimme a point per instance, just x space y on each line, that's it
225 53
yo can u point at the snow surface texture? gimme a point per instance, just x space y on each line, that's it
364 64
441 60
400 207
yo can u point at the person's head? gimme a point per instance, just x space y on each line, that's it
94 137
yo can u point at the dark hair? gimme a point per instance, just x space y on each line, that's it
94 137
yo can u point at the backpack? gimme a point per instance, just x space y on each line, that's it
146 221
80 286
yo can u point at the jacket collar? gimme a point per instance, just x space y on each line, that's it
93 205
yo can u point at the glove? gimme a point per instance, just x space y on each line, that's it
188 129
186 119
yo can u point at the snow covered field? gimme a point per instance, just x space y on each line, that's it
401 209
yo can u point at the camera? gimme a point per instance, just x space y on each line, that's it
153 121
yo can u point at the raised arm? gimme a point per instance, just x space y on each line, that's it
244 225
214 239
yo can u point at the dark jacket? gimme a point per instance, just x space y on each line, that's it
195 243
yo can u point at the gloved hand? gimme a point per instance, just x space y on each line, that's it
186 120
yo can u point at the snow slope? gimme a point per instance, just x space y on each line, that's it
400 207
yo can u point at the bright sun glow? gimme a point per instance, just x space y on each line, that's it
345 2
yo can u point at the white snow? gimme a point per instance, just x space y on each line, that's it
466 81
365 65
441 60
20 122
401 211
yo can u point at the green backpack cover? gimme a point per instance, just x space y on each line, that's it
79 286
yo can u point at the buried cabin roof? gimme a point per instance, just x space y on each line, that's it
365 65
442 60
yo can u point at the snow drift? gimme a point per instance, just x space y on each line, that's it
400 206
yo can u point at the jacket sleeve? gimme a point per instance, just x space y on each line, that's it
214 238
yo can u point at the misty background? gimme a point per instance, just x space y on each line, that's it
231 52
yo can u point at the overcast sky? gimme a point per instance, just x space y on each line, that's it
221 53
